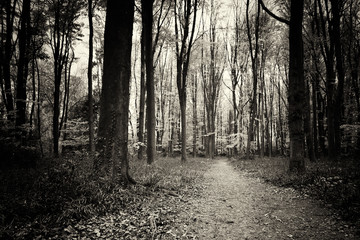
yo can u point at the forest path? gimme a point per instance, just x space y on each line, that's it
236 206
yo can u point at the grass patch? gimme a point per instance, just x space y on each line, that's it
169 173
337 184
47 200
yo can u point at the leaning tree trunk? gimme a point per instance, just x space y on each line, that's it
114 104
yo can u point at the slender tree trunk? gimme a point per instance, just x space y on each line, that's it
171 120
184 32
195 86
56 112
335 7
90 79
33 78
9 103
280 122
254 64
315 116
307 125
183 127
67 97
142 97
320 113
330 97
147 17
39 107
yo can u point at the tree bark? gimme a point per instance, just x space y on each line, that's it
336 35
147 18
8 51
90 79
296 88
195 87
254 67
308 126
114 103
142 97
22 73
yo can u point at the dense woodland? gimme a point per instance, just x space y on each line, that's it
126 81
203 78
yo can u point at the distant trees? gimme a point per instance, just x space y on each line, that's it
185 13
296 91
63 30
212 76
8 13
256 87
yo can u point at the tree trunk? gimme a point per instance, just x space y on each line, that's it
147 17
39 100
296 88
254 67
330 97
114 104
280 122
183 127
22 74
9 103
142 97
336 34
307 125
315 115
33 81
195 86
90 83
184 33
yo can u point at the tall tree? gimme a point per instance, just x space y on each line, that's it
236 62
23 69
89 73
296 92
141 119
195 123
336 8
212 79
114 103
254 51
63 32
297 87
7 50
147 18
185 12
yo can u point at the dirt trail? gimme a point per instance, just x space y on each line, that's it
236 206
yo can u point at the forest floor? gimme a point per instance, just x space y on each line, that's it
236 205
202 199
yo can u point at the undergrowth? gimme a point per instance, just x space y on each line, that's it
45 200
335 183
